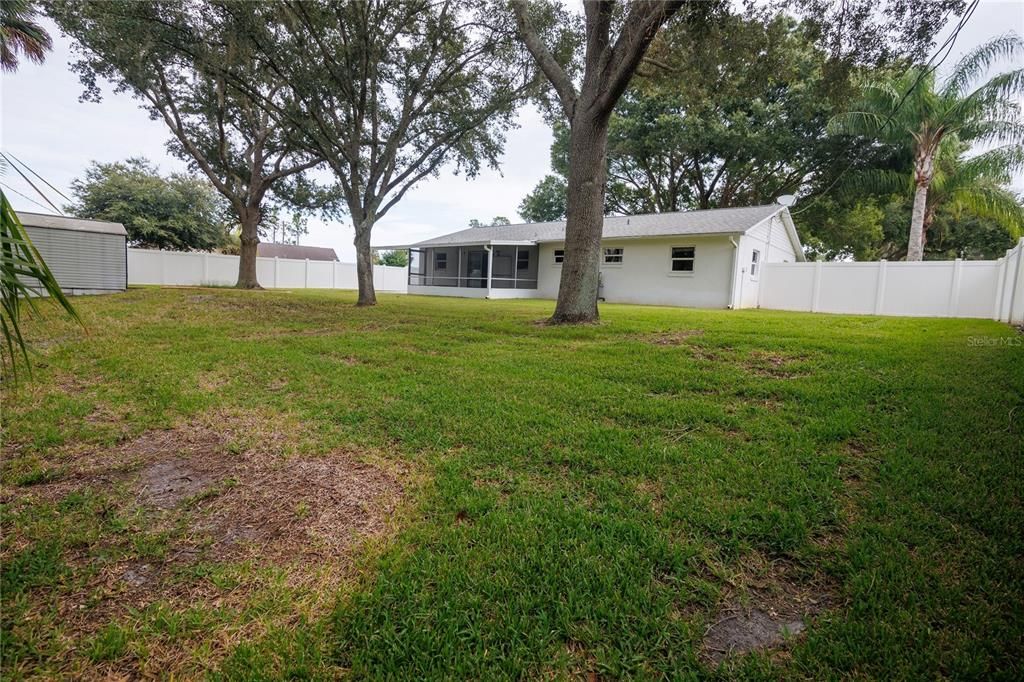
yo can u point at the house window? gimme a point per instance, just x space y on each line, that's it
755 262
682 258
613 256
440 260
559 256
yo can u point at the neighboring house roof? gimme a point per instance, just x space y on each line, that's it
296 251
717 221
58 222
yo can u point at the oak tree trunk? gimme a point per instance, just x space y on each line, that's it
364 266
250 240
578 288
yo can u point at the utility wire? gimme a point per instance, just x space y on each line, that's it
928 68
23 196
31 184
10 156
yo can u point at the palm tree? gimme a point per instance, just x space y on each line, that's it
979 185
20 34
976 184
917 112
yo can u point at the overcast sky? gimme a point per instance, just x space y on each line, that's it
43 124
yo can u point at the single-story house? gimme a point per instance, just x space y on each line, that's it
85 256
706 259
296 252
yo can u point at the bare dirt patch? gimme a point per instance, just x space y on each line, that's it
233 491
304 506
676 337
763 608
163 484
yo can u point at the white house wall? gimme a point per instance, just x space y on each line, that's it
771 239
645 275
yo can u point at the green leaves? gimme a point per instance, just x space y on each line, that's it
176 212
24 276
19 32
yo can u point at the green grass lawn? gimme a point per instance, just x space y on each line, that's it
444 488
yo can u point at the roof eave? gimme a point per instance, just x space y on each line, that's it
667 235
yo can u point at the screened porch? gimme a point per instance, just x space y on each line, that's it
474 267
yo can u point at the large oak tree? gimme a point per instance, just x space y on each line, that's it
390 91
609 62
185 65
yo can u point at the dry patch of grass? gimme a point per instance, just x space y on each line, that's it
763 607
217 514
676 337
773 365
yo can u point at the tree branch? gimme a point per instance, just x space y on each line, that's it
567 94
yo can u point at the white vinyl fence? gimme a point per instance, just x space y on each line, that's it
147 266
990 289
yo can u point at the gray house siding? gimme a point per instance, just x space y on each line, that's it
83 262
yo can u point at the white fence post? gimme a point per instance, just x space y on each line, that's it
1016 278
206 269
880 284
305 276
275 271
334 274
954 288
816 287
997 313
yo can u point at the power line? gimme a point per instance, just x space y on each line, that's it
23 196
31 184
10 156
925 70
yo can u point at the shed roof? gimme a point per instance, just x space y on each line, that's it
710 221
59 222
296 251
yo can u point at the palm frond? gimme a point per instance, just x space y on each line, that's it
1001 163
856 123
994 132
877 181
993 201
24 279
975 63
19 33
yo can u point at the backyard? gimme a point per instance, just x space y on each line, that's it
281 484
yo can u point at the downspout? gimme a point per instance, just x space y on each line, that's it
732 282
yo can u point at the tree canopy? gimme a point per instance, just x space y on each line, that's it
388 92
183 63
734 118
176 212
918 113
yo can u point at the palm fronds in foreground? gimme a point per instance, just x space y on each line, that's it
24 278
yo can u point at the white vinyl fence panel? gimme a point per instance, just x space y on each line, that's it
982 289
146 266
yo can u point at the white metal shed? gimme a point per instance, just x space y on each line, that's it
86 256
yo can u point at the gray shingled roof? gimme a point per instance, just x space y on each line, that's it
59 222
712 221
297 251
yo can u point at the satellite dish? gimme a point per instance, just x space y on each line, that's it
786 200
